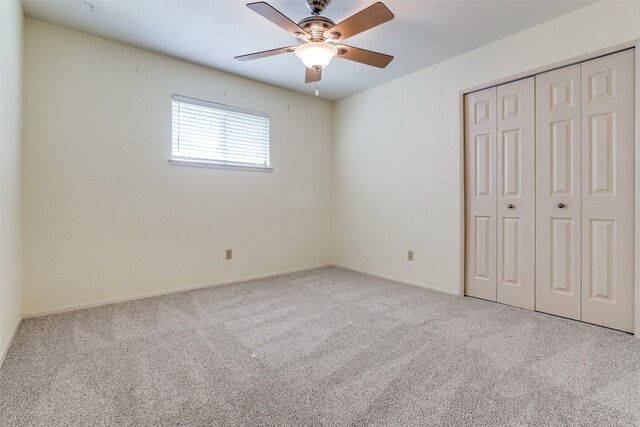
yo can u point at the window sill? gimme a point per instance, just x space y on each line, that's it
207 165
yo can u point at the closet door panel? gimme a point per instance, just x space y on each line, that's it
558 193
480 185
516 194
608 190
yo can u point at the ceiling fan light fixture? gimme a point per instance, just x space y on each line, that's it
317 35
316 54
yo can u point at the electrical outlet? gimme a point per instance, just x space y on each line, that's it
410 255
228 254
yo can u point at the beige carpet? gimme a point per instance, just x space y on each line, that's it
324 347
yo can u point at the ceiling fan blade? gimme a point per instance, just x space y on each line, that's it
265 53
364 20
275 16
312 75
363 56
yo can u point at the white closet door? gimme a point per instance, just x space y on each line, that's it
480 157
558 192
608 190
516 194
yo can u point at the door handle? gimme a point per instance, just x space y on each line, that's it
510 206
561 205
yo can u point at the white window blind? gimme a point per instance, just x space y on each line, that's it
218 134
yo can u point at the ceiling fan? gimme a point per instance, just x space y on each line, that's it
321 39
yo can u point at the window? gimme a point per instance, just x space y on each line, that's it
210 134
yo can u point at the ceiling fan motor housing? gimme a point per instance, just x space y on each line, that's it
317 6
315 26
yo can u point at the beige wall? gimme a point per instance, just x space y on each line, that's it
397 147
106 217
10 140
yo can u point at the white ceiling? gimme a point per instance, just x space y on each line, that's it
211 33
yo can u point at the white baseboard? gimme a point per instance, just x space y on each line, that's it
220 283
163 292
5 349
395 279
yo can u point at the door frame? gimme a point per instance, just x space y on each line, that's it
581 58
